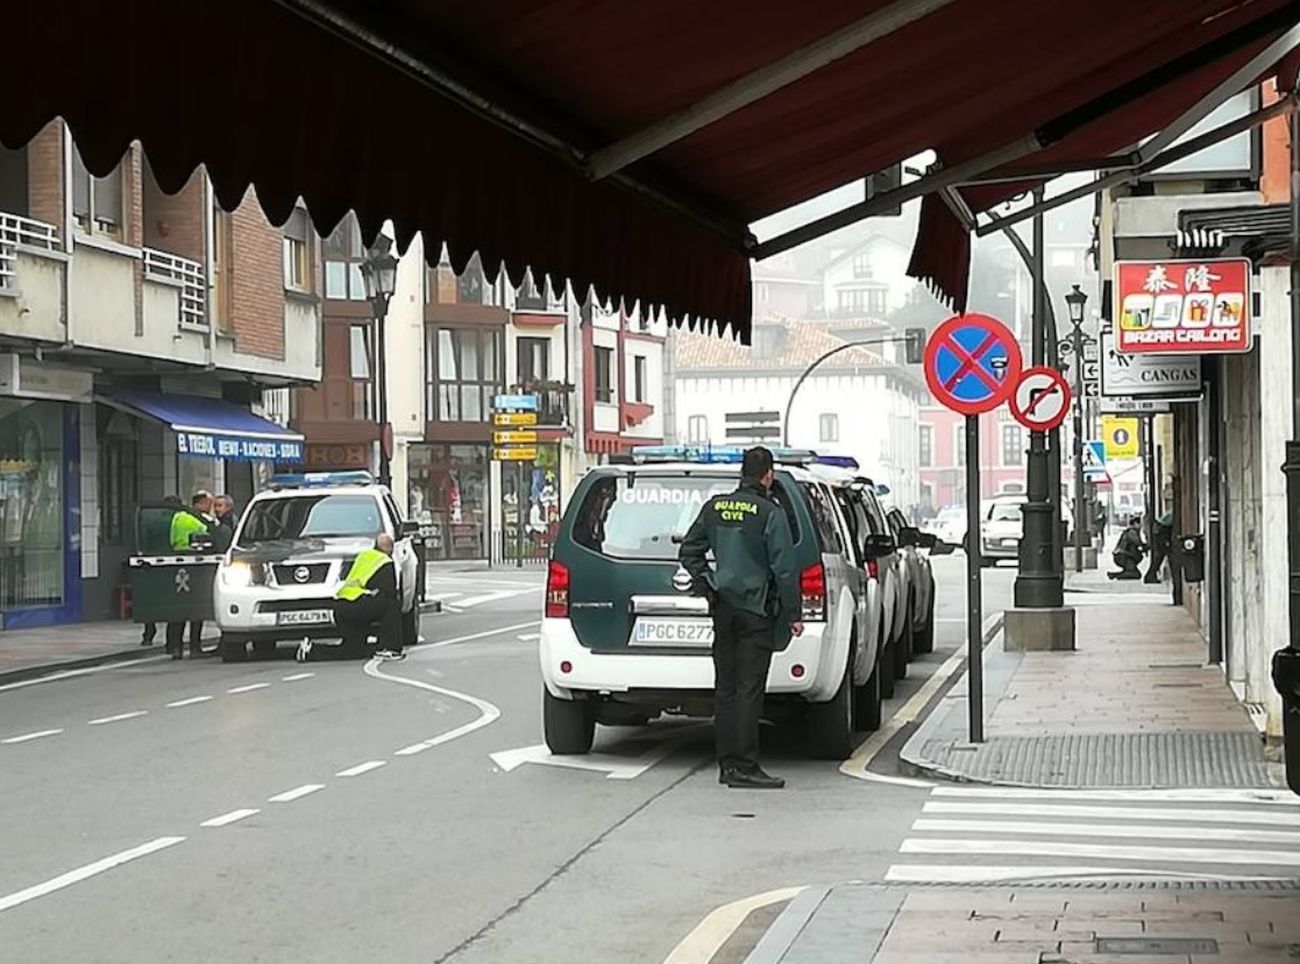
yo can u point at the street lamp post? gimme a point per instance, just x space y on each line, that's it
1076 300
379 274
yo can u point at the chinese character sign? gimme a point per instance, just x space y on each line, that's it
1183 307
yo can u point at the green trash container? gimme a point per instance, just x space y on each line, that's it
168 586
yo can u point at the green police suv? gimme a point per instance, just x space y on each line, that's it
623 639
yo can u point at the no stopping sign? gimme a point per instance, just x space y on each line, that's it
1041 399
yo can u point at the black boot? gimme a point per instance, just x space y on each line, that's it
754 779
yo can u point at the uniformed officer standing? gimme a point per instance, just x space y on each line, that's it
185 525
756 608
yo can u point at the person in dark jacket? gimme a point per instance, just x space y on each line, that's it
756 608
223 533
187 525
369 596
1129 551
1162 540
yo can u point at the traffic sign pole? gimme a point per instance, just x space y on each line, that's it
974 585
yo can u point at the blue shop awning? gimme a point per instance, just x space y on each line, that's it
213 428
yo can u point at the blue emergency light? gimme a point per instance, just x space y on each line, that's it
839 461
706 453
318 480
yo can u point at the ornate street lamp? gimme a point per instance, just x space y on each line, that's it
1075 302
379 275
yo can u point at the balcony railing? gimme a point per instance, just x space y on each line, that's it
552 401
15 231
188 276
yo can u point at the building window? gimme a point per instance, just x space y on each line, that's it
468 366
925 446
829 427
359 371
118 490
222 270
604 358
768 341
638 378
861 266
697 428
762 293
343 254
534 361
96 201
959 431
855 299
876 301
297 251
1013 445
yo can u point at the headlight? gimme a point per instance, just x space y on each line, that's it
238 575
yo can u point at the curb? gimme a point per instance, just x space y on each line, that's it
85 662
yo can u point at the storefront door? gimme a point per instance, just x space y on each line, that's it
449 487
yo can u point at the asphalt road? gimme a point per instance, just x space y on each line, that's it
343 811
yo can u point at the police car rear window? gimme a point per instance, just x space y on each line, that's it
645 516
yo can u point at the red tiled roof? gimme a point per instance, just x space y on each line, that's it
805 342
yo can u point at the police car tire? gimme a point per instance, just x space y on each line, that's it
866 703
233 649
264 647
923 641
569 725
830 724
903 644
886 667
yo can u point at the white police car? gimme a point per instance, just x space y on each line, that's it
291 551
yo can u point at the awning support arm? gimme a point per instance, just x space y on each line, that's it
1240 79
1186 149
759 83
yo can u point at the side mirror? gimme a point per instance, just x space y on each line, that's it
409 528
880 545
908 536
941 548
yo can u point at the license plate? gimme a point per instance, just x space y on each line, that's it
673 632
304 617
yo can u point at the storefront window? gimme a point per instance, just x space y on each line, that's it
195 472
529 532
31 504
449 494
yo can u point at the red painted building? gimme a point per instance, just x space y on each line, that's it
942 456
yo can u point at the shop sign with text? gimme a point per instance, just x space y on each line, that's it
1183 307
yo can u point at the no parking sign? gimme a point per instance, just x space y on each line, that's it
972 364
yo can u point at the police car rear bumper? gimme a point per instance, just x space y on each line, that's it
801 670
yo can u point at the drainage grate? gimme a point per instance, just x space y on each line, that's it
1156 945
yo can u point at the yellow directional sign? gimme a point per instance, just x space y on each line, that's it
515 454
514 418
524 437
1120 436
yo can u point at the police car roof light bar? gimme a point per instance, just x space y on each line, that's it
318 480
708 453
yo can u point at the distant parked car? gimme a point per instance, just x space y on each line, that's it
949 525
1001 530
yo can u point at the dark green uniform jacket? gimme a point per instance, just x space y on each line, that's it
751 544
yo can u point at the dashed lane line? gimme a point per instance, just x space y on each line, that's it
296 793
117 718
294 677
25 737
248 688
89 870
228 818
188 702
361 768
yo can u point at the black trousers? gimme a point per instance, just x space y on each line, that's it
742 652
355 619
1159 552
176 637
1128 565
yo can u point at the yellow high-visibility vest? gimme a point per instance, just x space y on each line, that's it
364 566
184 525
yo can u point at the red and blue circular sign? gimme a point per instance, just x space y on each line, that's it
972 364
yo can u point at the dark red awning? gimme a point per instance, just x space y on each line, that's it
335 101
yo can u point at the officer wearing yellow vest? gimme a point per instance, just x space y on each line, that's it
369 596
185 525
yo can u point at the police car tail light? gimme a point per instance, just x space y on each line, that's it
873 568
557 591
812 587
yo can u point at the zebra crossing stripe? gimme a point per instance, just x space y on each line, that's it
1059 848
1138 831
1268 817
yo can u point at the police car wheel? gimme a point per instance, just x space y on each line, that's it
866 703
886 669
569 725
923 641
903 644
830 724
264 648
233 649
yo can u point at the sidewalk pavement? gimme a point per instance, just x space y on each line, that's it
1139 923
32 652
1134 706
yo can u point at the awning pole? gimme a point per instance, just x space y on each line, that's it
759 84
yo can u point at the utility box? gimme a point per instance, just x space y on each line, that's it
1191 557
168 586
1286 680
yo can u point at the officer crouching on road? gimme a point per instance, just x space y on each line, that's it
369 596
756 608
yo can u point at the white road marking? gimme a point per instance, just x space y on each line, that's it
1204 795
115 719
82 873
1139 831
361 768
452 609
189 702
489 597
85 671
707 937
614 767
1265 817
487 712
856 765
228 818
473 636
294 677
982 873
1057 848
529 637
248 688
297 792
32 736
